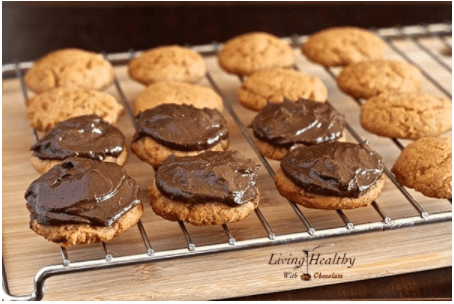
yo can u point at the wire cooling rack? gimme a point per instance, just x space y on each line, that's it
440 32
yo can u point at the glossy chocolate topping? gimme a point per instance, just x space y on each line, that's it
210 176
333 169
304 121
81 191
182 127
84 136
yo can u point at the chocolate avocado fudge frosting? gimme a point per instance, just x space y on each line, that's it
178 129
206 189
279 126
83 201
84 136
331 175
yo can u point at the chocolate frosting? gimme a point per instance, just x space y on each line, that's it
210 176
333 169
182 127
81 191
84 136
304 121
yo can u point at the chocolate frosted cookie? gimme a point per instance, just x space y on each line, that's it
53 106
168 63
251 52
370 78
279 126
341 46
70 68
426 166
406 115
179 93
211 188
83 201
84 136
182 130
334 175
275 85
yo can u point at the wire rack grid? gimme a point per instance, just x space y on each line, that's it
390 36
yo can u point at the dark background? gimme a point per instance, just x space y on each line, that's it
32 29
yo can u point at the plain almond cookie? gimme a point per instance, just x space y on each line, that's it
69 68
250 52
406 115
341 46
176 92
51 107
275 85
426 166
370 78
168 63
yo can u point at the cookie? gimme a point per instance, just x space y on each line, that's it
212 188
341 46
329 176
278 127
371 78
182 130
179 93
251 52
274 85
168 63
83 201
51 107
82 136
69 68
406 115
426 166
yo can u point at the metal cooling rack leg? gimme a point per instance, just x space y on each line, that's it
64 255
145 238
229 234
191 246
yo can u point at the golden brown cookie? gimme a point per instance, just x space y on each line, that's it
406 115
72 234
211 188
44 165
274 85
341 46
53 106
179 93
426 166
82 201
209 213
333 175
168 63
250 52
70 68
152 152
317 201
370 78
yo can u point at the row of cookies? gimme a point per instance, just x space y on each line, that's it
83 219
395 107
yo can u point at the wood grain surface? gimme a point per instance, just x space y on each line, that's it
235 273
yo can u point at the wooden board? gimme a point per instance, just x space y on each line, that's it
234 273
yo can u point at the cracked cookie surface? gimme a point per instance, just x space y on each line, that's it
371 78
168 63
342 46
426 166
248 53
274 85
406 115
53 106
178 93
70 68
